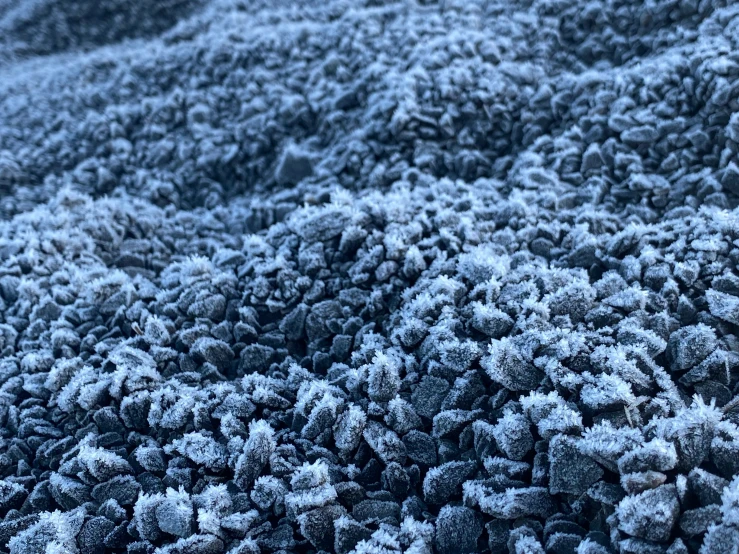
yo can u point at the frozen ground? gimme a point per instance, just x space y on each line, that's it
376 277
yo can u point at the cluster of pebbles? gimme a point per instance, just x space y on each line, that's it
369 277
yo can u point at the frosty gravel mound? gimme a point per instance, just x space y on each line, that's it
369 277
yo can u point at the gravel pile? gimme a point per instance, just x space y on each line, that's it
369 277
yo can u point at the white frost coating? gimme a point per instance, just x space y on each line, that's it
730 504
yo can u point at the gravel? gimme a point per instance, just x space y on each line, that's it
369 277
